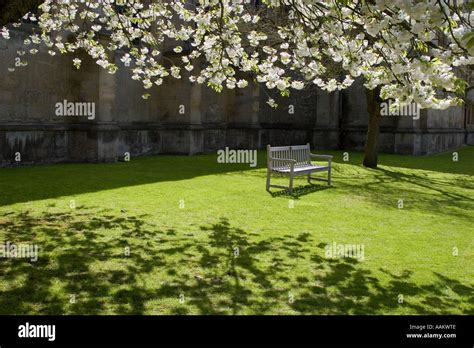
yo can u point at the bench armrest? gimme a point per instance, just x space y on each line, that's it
326 157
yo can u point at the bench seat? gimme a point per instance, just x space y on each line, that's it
302 169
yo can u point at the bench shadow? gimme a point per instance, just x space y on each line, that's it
300 191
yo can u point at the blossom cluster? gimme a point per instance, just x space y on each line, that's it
411 50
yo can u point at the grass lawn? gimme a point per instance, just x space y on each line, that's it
206 238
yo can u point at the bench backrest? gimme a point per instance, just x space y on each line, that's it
300 153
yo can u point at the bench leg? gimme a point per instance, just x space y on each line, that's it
329 176
268 180
291 184
309 178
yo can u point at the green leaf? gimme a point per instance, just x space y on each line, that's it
460 86
215 87
285 93
422 47
469 39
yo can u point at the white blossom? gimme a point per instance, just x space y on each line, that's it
389 44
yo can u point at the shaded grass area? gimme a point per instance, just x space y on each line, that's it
186 235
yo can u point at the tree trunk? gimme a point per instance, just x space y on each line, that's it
371 145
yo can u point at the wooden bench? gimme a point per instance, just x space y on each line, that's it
295 161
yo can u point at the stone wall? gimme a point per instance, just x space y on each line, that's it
182 118
434 132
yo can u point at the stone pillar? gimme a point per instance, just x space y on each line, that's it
469 114
326 128
106 126
255 120
196 140
255 104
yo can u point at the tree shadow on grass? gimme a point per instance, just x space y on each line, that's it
442 163
425 182
425 192
69 263
220 269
